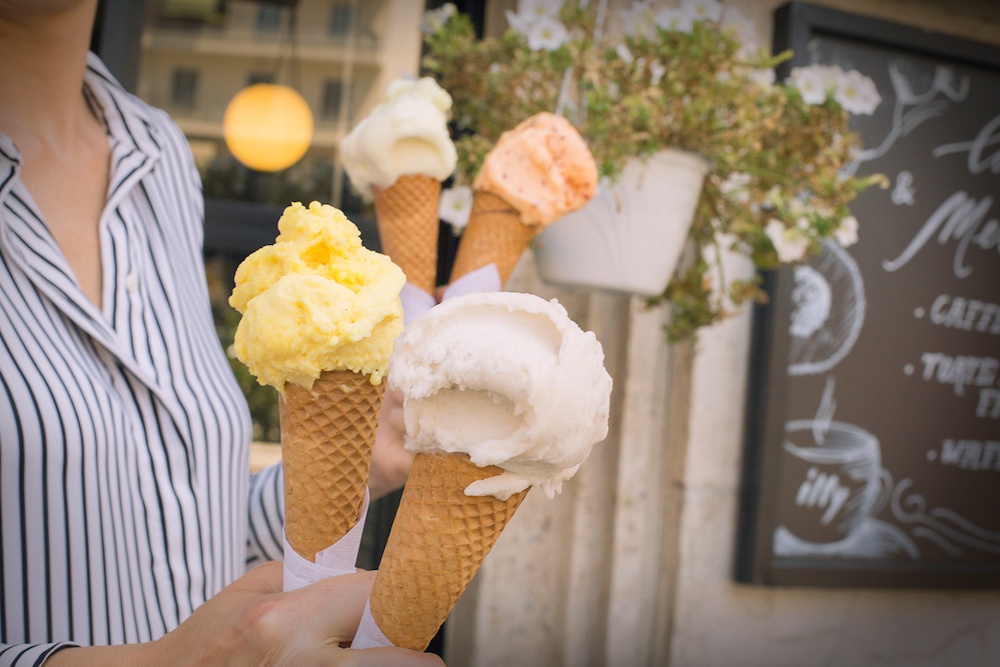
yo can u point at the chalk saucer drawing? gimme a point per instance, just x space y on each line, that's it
873 538
828 303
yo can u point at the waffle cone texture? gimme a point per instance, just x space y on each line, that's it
407 217
327 435
495 234
438 541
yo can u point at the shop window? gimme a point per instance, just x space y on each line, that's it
341 18
268 18
333 94
193 56
259 77
184 88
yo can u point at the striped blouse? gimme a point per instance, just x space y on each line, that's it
124 438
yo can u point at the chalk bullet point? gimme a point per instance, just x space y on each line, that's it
908 369
918 313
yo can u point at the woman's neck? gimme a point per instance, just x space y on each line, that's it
43 57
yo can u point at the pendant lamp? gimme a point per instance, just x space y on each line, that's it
268 127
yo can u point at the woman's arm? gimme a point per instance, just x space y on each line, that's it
252 622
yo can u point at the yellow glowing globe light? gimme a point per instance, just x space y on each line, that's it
268 127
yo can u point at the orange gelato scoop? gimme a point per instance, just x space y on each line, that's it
542 168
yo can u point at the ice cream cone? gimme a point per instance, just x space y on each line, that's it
326 443
438 541
495 234
407 217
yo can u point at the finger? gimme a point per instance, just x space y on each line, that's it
338 603
388 657
393 406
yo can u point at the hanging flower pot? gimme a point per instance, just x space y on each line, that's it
630 236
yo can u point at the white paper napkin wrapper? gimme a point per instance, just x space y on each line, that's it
416 301
483 279
341 557
369 635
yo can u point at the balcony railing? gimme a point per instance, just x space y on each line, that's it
246 43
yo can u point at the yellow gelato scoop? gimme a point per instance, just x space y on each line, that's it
316 300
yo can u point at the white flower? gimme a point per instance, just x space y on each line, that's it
537 9
857 93
637 20
734 187
703 10
519 23
741 28
810 83
738 24
624 53
547 33
656 72
790 242
434 19
672 18
830 73
847 233
455 206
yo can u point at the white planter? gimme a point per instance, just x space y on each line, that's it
630 236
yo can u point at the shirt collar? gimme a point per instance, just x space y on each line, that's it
127 120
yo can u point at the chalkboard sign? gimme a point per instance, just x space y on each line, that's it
873 426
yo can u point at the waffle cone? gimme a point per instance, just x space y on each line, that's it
326 445
438 540
407 218
495 234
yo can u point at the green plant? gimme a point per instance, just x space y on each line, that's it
262 400
688 78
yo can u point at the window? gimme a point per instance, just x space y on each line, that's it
341 18
259 77
184 88
268 18
248 46
333 93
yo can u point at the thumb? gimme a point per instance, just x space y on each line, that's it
336 604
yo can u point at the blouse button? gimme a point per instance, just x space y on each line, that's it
132 282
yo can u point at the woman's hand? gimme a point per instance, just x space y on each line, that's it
251 622
390 461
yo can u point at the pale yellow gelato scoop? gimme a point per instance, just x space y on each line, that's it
316 300
407 133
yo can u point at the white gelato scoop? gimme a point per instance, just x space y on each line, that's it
407 133
510 380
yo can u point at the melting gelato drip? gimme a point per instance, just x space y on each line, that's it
508 379
316 300
542 168
405 134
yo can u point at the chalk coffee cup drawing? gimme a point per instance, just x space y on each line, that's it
834 473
